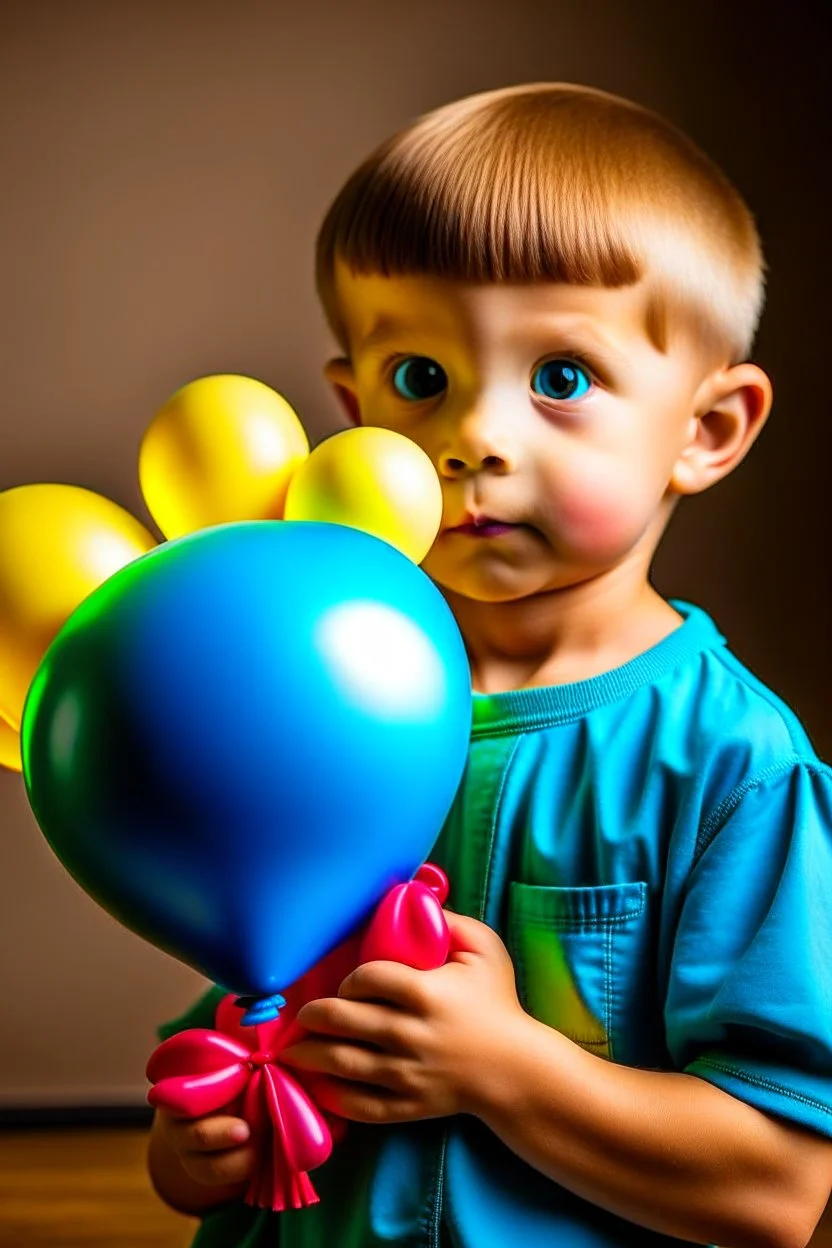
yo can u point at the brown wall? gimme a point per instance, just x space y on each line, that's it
164 166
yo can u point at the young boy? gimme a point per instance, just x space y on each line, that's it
554 293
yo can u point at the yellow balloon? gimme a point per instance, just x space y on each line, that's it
57 544
371 479
222 448
9 747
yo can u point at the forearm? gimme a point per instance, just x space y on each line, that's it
177 1188
666 1150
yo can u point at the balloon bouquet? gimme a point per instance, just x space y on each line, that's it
242 741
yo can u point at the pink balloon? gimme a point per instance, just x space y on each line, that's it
201 1071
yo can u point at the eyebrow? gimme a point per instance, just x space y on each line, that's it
578 332
581 330
386 327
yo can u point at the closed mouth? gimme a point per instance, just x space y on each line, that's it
485 526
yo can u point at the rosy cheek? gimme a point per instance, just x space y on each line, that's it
596 525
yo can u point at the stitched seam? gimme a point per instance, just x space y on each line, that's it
786 716
578 925
514 935
433 1215
608 990
720 815
510 731
761 1082
486 884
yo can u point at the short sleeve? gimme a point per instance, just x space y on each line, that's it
749 1001
200 1014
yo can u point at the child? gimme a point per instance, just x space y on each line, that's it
554 293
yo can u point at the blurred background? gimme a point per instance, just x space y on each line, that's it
165 166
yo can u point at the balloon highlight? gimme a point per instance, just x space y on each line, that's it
241 742
375 480
222 448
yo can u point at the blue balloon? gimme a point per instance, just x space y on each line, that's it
243 739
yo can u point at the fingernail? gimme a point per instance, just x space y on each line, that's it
240 1133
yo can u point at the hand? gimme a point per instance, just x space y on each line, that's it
212 1151
398 1044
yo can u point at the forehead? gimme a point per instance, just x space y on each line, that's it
375 309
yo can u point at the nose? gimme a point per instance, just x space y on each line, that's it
480 441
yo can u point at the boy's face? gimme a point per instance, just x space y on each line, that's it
553 422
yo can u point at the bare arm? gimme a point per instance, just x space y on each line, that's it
667 1150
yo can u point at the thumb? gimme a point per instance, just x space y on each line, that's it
470 935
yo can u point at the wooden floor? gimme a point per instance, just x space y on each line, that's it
82 1189
88 1189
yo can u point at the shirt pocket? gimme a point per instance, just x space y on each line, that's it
579 957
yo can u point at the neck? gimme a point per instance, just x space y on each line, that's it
562 635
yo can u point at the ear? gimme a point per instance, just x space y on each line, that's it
339 374
730 409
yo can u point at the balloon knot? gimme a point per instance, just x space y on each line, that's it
260 1009
260 1058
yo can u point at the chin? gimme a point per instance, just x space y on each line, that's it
506 588
491 589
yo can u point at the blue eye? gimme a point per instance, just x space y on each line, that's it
561 379
418 377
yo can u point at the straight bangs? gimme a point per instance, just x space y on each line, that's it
558 183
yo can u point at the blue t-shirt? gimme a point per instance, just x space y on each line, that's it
655 847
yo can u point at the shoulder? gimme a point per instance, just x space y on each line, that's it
732 751
754 785
734 725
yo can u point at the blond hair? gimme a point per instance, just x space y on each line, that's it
554 182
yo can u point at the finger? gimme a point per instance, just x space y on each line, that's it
390 982
351 1062
211 1134
363 1021
470 935
234 1165
363 1102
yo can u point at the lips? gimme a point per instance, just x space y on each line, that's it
483 526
